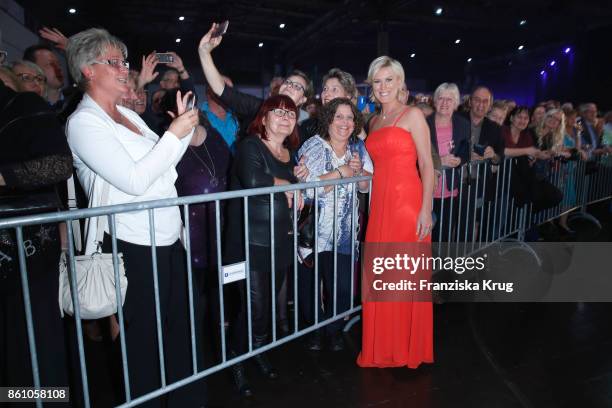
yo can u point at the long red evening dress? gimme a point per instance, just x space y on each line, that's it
395 334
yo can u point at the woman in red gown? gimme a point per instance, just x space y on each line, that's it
397 334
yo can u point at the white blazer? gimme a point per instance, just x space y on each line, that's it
138 168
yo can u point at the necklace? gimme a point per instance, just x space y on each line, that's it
390 114
214 181
278 155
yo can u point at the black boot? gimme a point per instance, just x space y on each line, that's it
240 380
261 360
239 377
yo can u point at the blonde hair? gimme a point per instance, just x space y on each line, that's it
557 135
385 62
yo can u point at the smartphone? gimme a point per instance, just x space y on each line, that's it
479 149
191 103
164 57
221 29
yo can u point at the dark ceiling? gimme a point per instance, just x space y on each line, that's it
319 34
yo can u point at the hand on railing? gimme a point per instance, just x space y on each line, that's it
356 165
489 153
450 161
298 198
301 171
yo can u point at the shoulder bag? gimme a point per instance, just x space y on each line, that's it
95 278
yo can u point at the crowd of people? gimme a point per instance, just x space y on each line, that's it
126 143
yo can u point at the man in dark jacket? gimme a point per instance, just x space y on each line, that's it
486 143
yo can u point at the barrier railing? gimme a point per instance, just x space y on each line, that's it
113 211
480 211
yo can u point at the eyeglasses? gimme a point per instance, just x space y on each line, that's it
24 77
294 85
115 63
281 113
3 56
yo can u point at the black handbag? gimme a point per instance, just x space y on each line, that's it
306 227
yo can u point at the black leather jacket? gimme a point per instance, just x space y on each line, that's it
255 166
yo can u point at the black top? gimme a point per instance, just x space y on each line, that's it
255 166
34 150
35 155
490 135
245 106
308 128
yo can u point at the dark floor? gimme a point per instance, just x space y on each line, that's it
486 355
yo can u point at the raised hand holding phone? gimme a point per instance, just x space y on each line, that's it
164 58
220 30
183 124
208 42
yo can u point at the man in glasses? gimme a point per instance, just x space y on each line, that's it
297 85
31 77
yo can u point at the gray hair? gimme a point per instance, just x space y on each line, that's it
28 64
346 80
85 47
585 106
450 87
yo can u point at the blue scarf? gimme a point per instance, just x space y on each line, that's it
227 129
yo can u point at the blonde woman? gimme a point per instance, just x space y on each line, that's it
550 131
397 334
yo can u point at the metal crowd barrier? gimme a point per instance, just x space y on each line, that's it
484 211
18 223
483 214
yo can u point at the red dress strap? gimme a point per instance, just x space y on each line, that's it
400 116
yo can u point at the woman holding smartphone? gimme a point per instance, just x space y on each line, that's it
120 160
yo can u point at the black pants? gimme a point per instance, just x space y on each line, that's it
261 299
306 286
42 249
141 328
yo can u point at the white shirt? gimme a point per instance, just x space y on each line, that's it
138 168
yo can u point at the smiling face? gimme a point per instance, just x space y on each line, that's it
279 123
497 115
520 120
386 85
480 102
332 89
553 121
294 87
110 79
31 81
343 124
445 104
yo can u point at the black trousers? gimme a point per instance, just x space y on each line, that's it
261 299
42 249
141 328
325 305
